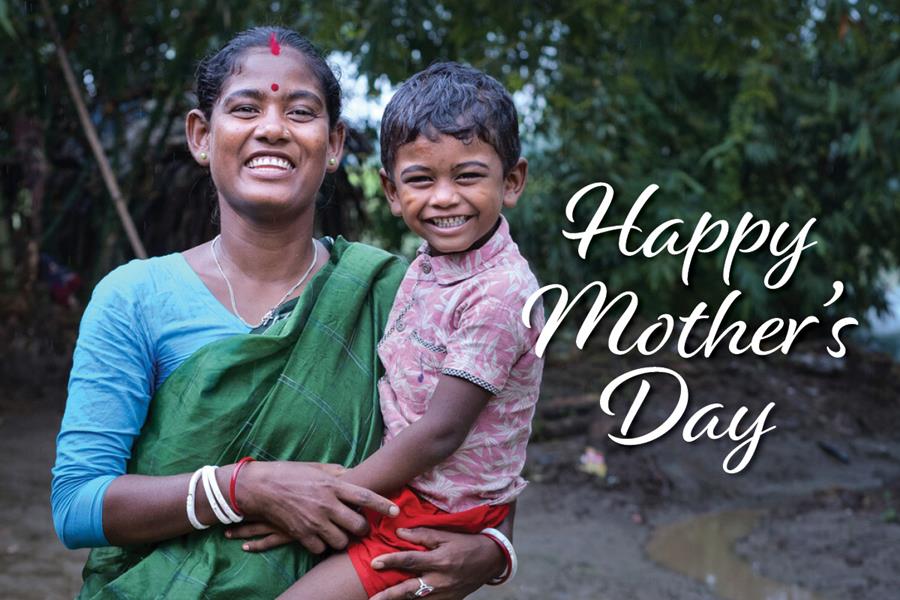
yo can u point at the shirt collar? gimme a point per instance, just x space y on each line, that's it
451 268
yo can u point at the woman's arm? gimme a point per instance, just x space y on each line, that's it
108 395
456 564
95 503
305 500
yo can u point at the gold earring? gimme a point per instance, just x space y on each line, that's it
332 161
203 156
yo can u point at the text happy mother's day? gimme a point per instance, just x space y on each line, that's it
774 335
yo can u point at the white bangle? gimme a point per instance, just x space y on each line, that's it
211 486
513 566
233 517
192 489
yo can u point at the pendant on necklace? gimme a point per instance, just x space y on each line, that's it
267 318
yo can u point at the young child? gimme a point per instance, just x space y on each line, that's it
461 376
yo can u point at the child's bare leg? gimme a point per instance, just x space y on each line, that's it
332 579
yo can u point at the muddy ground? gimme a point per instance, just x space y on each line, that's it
825 485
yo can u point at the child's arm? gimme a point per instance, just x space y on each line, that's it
452 410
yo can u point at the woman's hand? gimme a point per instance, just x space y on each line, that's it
307 502
456 565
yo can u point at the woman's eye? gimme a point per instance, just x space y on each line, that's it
302 114
245 109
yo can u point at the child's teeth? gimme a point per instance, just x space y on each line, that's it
449 221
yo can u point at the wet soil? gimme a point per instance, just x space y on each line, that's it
825 484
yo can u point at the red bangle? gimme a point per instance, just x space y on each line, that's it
500 579
231 488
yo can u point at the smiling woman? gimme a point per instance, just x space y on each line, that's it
267 150
171 373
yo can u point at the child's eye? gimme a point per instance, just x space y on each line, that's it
470 176
416 179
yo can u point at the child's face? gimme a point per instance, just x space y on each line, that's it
450 192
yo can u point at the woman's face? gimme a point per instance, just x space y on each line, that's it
268 141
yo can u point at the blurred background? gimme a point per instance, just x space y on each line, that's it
788 109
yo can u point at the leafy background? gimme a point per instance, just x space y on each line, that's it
785 108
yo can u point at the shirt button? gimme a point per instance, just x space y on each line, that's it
400 327
426 267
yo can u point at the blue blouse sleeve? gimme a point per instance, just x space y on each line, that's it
109 392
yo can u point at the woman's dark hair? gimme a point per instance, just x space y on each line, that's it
216 68
452 99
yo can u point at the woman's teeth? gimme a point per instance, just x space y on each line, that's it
269 161
449 221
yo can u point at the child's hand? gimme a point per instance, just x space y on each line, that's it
333 469
271 536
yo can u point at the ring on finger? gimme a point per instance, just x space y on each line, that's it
424 589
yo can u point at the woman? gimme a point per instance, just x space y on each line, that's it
267 126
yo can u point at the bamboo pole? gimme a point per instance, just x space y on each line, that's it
94 141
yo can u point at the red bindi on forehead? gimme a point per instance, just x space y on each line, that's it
274 46
274 87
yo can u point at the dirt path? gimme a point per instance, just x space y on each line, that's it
33 563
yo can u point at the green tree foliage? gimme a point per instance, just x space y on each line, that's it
784 108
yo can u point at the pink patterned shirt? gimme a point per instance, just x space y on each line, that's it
460 315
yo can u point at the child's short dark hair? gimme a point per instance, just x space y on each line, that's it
452 99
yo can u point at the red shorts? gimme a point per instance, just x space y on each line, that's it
414 512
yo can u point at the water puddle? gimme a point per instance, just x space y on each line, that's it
703 548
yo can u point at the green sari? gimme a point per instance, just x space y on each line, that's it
305 390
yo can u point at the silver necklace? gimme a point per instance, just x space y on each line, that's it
268 316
